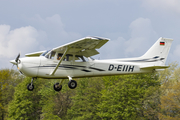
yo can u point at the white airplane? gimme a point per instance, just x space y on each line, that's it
73 60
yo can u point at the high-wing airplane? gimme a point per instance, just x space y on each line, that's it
73 60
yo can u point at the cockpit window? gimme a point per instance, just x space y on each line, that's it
43 54
52 54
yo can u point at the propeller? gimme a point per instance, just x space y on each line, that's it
15 62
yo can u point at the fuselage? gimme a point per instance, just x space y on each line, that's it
41 67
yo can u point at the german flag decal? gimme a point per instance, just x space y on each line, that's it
162 43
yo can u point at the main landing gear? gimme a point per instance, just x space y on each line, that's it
72 84
57 87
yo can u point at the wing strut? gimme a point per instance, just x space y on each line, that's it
64 54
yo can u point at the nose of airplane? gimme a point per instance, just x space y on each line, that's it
16 61
28 66
13 62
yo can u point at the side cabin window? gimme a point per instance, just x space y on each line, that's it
59 56
79 59
69 57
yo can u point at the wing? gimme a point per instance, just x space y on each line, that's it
86 46
34 54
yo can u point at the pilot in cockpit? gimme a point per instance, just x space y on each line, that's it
59 56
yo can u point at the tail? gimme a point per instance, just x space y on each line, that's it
159 51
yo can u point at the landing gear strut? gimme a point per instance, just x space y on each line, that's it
30 86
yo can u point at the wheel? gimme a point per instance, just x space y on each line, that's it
57 87
30 87
72 84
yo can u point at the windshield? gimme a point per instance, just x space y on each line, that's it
43 54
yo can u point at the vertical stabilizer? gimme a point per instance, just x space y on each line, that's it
159 50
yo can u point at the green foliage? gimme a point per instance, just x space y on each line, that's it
115 97
124 96
47 101
87 98
170 104
63 101
170 93
25 105
8 80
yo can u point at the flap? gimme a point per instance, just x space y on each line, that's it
88 53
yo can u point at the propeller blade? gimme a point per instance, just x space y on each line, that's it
12 66
17 58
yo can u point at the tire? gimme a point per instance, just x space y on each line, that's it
57 87
72 84
30 87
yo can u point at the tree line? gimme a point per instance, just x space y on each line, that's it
150 96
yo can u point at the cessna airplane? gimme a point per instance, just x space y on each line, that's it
73 60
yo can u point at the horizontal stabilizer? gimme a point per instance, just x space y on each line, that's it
154 67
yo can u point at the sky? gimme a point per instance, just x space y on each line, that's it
132 26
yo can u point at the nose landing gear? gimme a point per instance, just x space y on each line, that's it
30 86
